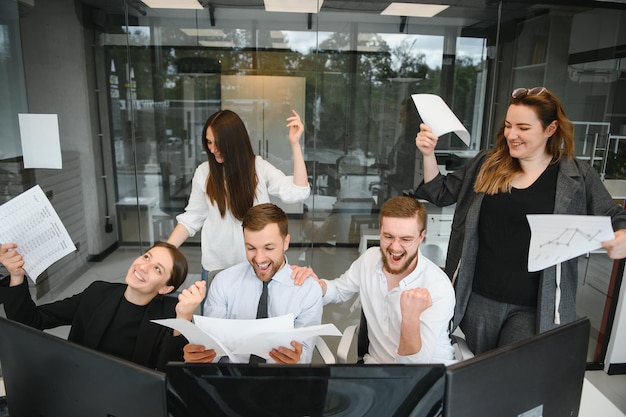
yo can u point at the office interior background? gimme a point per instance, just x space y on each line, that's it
133 83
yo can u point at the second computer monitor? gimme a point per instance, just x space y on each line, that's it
539 376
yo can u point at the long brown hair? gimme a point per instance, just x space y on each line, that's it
499 169
232 184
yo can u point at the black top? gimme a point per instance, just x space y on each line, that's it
90 313
121 335
501 270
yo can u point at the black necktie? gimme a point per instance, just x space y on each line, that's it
261 313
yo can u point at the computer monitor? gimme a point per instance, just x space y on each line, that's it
303 390
539 376
45 375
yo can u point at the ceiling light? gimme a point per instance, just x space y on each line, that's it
173 4
218 44
413 9
277 34
368 48
293 6
215 33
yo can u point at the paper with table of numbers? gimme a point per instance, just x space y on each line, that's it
30 221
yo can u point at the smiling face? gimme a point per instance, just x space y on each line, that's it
212 145
148 275
265 250
525 135
400 238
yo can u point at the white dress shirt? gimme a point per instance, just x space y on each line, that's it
222 238
235 293
382 308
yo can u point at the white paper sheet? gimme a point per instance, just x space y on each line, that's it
245 337
195 336
557 238
30 221
234 332
436 113
262 343
41 146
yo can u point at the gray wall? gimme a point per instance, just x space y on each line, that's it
59 72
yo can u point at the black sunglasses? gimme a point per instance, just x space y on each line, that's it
535 91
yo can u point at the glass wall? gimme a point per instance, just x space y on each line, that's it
132 87
351 82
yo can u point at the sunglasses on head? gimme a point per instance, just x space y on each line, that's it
535 91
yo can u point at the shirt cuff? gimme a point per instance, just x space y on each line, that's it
418 357
331 293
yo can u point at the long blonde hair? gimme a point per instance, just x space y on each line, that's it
497 172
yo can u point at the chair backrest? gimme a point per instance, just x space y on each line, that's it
324 351
363 341
210 277
434 253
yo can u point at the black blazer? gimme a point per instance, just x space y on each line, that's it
89 314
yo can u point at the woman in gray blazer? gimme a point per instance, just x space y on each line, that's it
531 170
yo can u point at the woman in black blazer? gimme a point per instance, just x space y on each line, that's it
110 317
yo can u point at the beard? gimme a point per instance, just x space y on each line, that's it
268 273
402 269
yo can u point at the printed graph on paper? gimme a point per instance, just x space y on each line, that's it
557 238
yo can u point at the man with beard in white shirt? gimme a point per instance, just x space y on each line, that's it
407 300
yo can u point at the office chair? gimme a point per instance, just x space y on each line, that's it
461 349
347 338
434 253
324 351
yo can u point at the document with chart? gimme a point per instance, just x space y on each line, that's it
555 238
30 221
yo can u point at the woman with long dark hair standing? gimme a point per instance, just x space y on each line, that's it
229 183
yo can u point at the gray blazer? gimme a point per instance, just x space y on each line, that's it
578 191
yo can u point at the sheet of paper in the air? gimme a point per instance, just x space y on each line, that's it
41 146
30 221
436 114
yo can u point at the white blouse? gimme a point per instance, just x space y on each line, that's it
222 237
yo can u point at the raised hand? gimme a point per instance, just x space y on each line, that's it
13 262
189 299
296 127
426 140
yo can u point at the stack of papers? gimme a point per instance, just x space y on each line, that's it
244 337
